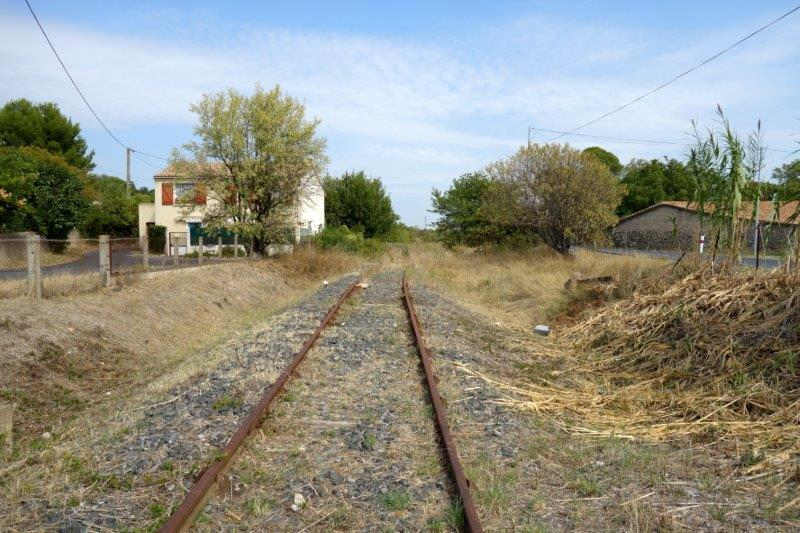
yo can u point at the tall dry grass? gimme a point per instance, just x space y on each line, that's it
522 288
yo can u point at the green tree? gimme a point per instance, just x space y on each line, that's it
44 126
360 203
112 210
606 157
649 182
255 155
788 179
462 216
563 195
41 193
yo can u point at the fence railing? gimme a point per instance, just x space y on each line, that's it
29 264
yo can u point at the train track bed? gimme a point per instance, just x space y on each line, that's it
528 474
140 461
352 438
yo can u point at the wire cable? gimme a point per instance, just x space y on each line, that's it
77 88
634 141
681 75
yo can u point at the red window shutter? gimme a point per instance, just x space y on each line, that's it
167 197
200 195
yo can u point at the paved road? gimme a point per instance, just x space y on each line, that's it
765 262
121 260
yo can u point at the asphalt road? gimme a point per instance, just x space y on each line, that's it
764 262
120 260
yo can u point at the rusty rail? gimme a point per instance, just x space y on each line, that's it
184 515
463 484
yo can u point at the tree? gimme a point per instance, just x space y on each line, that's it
255 154
562 194
44 126
40 193
649 182
605 157
463 214
788 178
360 203
112 211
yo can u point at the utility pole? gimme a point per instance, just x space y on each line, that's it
128 171
529 136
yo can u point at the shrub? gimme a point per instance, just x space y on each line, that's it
344 239
156 239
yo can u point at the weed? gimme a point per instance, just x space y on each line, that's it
157 510
396 500
227 402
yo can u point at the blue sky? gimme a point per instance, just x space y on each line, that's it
415 93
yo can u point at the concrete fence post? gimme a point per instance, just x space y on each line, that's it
236 245
145 243
200 250
34 254
219 246
105 260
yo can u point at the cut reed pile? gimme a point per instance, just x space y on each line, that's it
710 358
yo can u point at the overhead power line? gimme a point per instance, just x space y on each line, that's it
628 140
681 75
78 89
607 138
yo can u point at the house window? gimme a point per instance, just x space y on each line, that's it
184 190
188 192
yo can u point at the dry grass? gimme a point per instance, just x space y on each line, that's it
74 252
710 360
57 356
522 289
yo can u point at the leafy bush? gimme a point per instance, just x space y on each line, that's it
350 241
156 239
358 202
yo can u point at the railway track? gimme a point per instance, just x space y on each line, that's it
185 514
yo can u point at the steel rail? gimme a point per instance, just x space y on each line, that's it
192 504
470 513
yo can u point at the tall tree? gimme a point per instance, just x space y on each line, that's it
358 202
788 178
44 126
255 154
112 210
462 211
649 182
562 194
40 193
605 157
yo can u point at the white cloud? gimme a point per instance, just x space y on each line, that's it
430 111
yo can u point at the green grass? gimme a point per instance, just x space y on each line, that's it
396 500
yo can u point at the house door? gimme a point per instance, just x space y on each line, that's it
195 231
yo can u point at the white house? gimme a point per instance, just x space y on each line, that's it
171 189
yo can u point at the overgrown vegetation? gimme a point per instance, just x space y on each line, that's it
256 156
359 203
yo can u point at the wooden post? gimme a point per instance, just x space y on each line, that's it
105 261
200 250
145 252
35 267
219 246
236 245
6 429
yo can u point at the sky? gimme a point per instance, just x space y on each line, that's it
414 93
